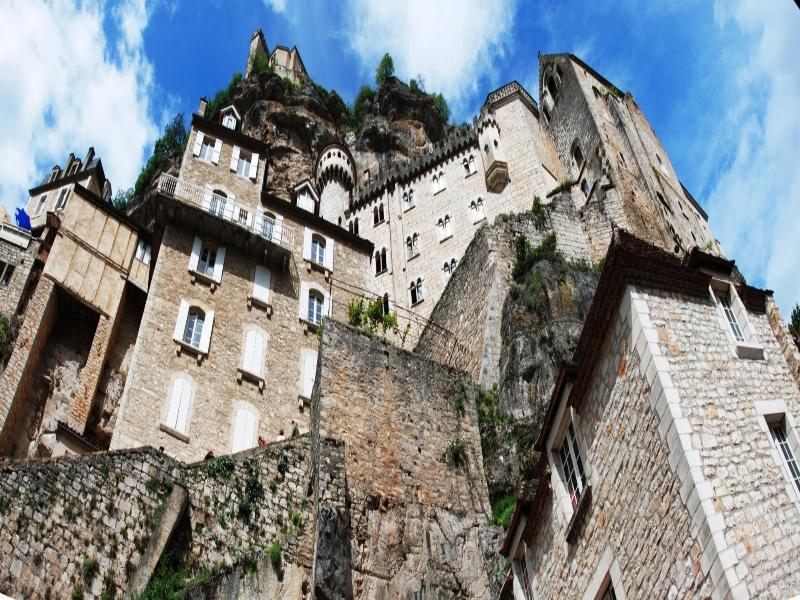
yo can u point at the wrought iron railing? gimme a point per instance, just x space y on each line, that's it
246 217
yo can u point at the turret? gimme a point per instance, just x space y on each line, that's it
335 179
494 159
258 47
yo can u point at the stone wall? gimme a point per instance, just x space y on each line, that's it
418 520
21 260
87 522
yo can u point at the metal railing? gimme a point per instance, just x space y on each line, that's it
246 217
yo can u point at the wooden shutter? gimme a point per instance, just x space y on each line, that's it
198 143
197 246
254 167
180 324
183 411
219 264
250 429
328 259
309 374
307 243
239 430
249 348
235 158
175 402
205 337
326 305
217 150
304 301
261 283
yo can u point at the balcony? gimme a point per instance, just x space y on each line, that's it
225 209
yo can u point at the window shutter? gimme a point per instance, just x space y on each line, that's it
219 264
205 337
198 143
326 305
251 427
217 150
239 430
180 324
261 283
235 158
258 353
249 348
175 402
207 197
307 244
195 257
183 412
303 300
309 374
254 167
328 262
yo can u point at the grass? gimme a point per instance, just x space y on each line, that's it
455 453
502 509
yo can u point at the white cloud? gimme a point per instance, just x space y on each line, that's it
279 6
64 87
452 43
755 203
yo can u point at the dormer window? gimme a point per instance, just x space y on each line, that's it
53 174
229 121
40 205
230 117
73 168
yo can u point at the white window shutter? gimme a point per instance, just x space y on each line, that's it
219 264
251 429
197 246
328 262
175 402
235 158
309 374
261 283
254 167
217 150
183 412
180 324
249 348
257 357
307 243
205 337
326 305
239 430
303 300
198 143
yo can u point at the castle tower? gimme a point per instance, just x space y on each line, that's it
494 159
258 47
335 179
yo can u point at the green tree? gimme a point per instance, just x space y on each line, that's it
794 322
385 69
122 198
441 105
171 142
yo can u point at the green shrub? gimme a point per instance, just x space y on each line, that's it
260 65
173 141
794 321
89 569
9 328
358 110
502 509
385 69
441 106
275 554
455 454
221 467
77 592
223 97
539 213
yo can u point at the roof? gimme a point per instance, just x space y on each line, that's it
245 141
589 68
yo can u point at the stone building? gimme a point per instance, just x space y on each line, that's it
193 348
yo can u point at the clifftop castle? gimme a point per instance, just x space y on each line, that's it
184 367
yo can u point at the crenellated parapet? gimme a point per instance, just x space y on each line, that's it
335 164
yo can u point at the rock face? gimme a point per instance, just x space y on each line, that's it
298 122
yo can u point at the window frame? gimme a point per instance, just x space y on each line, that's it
318 249
749 347
769 414
6 273
172 426
208 148
416 292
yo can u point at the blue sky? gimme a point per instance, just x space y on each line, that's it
719 82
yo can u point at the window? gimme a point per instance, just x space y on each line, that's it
53 174
261 284
412 246
245 427
523 577
465 163
585 188
609 593
777 430
445 230
315 304
306 201
438 183
386 306
447 272
472 167
577 155
380 261
62 199
572 466
179 404
408 199
193 327
216 202
193 331
723 298
268 225
552 88
318 250
486 149
253 359
207 260
416 292
243 164
476 209
229 121
6 272
664 203
143 251
378 215
308 372
40 205
355 226
207 149
73 168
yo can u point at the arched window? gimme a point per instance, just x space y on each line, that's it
181 394
355 226
552 88
217 203
315 303
416 291
318 249
375 219
577 155
381 213
268 225
466 167
435 184
408 199
412 248
585 188
453 263
350 226
472 167
476 208
193 330
380 261
447 271
445 230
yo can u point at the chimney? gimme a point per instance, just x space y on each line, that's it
201 110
